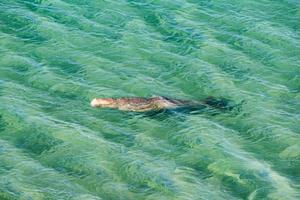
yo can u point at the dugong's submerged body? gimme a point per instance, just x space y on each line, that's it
138 104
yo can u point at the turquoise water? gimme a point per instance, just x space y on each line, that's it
56 55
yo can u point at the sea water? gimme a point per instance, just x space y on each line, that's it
57 55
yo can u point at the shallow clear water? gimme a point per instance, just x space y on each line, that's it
56 55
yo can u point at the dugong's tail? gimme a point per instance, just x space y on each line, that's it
218 103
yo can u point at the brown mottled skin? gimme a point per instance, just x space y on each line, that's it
138 104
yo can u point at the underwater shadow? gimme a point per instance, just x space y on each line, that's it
212 106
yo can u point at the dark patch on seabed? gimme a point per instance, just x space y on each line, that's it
35 141
5 196
21 26
2 123
187 38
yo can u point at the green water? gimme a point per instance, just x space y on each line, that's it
56 55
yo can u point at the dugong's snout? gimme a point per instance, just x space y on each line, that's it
94 102
102 102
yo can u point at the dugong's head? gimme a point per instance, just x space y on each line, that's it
104 102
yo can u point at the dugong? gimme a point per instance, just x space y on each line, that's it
139 104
